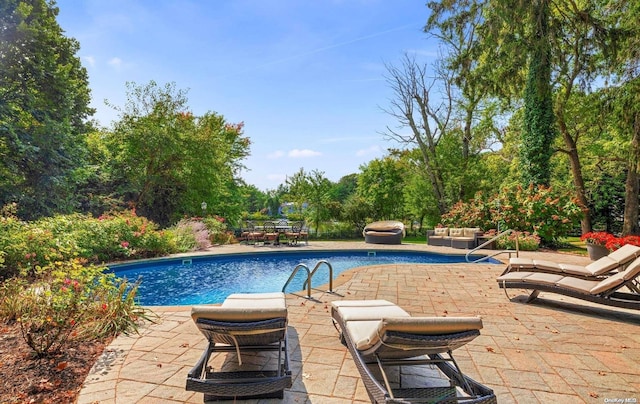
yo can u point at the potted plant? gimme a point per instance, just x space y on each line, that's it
599 243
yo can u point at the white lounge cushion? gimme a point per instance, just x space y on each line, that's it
367 334
244 307
358 310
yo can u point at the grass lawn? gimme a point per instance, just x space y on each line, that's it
574 245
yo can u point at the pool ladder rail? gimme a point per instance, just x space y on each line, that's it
307 282
488 242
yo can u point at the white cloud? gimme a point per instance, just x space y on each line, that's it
297 153
115 62
275 155
375 149
91 61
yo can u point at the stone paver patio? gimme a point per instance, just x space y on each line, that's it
558 349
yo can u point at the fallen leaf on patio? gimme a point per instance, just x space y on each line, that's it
516 338
445 312
518 351
489 349
601 373
624 347
62 366
516 318
159 365
593 394
184 345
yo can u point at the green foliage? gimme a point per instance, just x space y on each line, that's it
217 230
184 236
312 190
45 103
357 211
169 161
535 209
72 301
27 247
526 241
481 211
120 235
380 182
539 130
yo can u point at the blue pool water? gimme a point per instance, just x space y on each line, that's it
210 279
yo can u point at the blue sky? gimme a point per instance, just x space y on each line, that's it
306 77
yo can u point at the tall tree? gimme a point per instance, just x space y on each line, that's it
459 33
313 190
539 130
171 161
427 119
381 182
44 106
626 69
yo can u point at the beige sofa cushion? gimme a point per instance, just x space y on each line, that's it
456 232
471 231
441 231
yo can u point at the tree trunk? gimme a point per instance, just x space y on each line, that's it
630 225
576 171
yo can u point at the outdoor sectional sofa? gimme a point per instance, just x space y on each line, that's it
456 237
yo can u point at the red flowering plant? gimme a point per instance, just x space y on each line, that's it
608 240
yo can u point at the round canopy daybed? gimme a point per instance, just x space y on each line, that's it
384 232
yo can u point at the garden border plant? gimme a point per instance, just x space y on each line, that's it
537 210
73 301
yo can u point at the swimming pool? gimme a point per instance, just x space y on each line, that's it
210 279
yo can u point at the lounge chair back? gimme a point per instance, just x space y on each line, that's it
626 253
615 281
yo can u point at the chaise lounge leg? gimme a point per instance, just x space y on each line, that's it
533 296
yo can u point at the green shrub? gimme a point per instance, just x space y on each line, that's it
218 230
121 235
534 209
72 301
183 236
28 246
10 301
526 241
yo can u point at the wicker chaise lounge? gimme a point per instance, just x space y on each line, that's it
616 260
380 335
244 323
619 289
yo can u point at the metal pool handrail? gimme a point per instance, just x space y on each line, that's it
314 271
486 243
295 271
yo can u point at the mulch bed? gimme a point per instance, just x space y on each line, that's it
56 379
